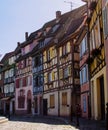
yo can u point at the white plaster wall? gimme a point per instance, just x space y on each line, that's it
65 110
52 111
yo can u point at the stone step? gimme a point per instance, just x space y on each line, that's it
3 119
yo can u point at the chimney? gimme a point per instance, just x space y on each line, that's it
58 14
18 43
26 36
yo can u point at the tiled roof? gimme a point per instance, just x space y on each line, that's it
68 22
6 56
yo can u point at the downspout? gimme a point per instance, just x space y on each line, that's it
89 74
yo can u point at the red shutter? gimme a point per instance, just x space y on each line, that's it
17 83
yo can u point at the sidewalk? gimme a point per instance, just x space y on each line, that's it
86 124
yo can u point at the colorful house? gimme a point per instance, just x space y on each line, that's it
84 73
23 79
98 79
37 70
61 64
8 87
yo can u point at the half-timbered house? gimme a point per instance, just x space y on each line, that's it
8 87
61 65
97 59
23 79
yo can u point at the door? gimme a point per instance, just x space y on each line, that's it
102 99
29 106
44 106
13 107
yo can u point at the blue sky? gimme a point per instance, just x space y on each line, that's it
20 16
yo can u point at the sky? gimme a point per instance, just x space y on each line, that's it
20 16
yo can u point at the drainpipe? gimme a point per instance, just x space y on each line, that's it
56 47
89 74
58 83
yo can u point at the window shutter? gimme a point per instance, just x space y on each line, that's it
68 47
64 98
60 51
52 101
69 70
45 56
81 77
61 73
46 78
105 22
53 75
51 52
17 83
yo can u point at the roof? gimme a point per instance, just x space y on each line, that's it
7 56
69 22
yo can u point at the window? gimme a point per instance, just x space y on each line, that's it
64 50
20 83
64 98
36 81
83 46
45 78
60 51
105 20
11 72
48 55
37 61
24 81
6 74
29 80
55 28
52 101
12 87
68 47
61 73
21 99
76 73
49 77
84 74
17 83
65 72
41 80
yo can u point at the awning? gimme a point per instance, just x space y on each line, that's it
4 99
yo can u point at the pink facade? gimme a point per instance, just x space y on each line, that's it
23 82
84 79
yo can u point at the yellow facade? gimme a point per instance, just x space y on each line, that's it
98 66
95 94
50 80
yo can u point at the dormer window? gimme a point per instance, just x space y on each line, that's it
45 33
55 27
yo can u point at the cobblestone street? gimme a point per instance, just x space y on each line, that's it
37 123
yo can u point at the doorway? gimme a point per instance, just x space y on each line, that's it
13 107
102 98
29 106
44 106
